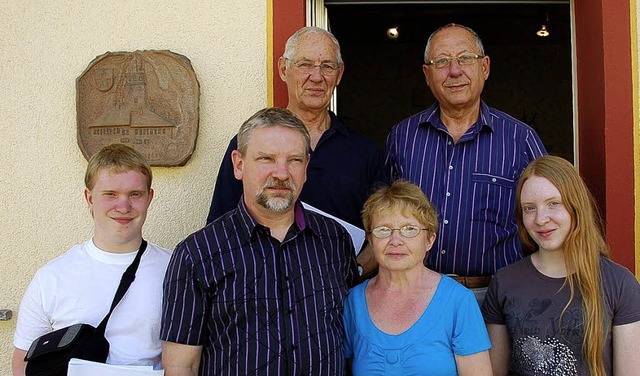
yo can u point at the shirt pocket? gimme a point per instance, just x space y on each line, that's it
492 198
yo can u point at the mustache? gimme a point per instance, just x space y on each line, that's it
277 183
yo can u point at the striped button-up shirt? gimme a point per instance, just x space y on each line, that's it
259 306
471 183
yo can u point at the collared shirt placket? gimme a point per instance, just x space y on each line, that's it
287 289
449 165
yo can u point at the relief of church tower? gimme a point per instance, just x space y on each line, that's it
149 99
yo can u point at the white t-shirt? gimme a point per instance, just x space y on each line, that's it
79 286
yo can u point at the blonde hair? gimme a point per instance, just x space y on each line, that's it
401 195
116 158
582 248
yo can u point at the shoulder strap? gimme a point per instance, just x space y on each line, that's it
126 280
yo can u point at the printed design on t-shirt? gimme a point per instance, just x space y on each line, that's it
537 307
542 343
549 357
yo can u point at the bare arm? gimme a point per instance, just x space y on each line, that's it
626 344
17 362
474 365
500 353
180 360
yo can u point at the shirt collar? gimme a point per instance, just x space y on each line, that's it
485 116
432 117
337 125
252 226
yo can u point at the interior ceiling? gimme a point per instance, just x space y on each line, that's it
495 23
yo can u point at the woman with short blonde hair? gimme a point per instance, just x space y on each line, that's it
410 320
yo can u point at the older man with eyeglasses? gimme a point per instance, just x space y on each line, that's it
467 158
344 164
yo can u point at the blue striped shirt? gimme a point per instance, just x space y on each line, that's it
259 306
471 183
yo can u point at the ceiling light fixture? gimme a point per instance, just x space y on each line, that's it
393 33
543 32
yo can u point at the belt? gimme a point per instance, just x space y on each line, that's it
472 282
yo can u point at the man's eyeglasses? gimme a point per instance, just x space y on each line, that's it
463 60
307 67
408 231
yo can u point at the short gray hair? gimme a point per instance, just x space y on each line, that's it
475 36
271 117
292 43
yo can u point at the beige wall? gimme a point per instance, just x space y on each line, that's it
44 47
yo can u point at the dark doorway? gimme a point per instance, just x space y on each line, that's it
530 78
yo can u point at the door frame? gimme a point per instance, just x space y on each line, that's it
605 77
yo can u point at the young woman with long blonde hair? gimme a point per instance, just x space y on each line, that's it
566 308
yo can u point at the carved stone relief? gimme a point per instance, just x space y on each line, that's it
146 99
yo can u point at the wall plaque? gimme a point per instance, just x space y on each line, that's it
146 99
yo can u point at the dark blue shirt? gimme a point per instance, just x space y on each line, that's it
259 306
343 171
471 183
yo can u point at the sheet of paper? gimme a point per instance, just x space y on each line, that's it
357 234
80 367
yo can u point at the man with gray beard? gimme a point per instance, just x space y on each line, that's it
259 291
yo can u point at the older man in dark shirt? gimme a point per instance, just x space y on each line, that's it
344 164
259 291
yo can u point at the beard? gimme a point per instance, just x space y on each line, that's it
280 201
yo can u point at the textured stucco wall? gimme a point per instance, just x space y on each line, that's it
44 47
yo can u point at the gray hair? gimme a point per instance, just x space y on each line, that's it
292 43
475 36
270 117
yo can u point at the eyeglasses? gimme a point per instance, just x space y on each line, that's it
306 67
463 60
408 231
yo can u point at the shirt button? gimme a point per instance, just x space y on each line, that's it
443 251
450 167
446 221
448 194
493 180
449 142
392 358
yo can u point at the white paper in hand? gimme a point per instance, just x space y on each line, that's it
80 367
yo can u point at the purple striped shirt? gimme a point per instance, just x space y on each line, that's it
258 306
471 183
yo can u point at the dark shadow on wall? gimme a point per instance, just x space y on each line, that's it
530 76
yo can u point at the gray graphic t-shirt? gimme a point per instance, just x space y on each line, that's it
530 304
